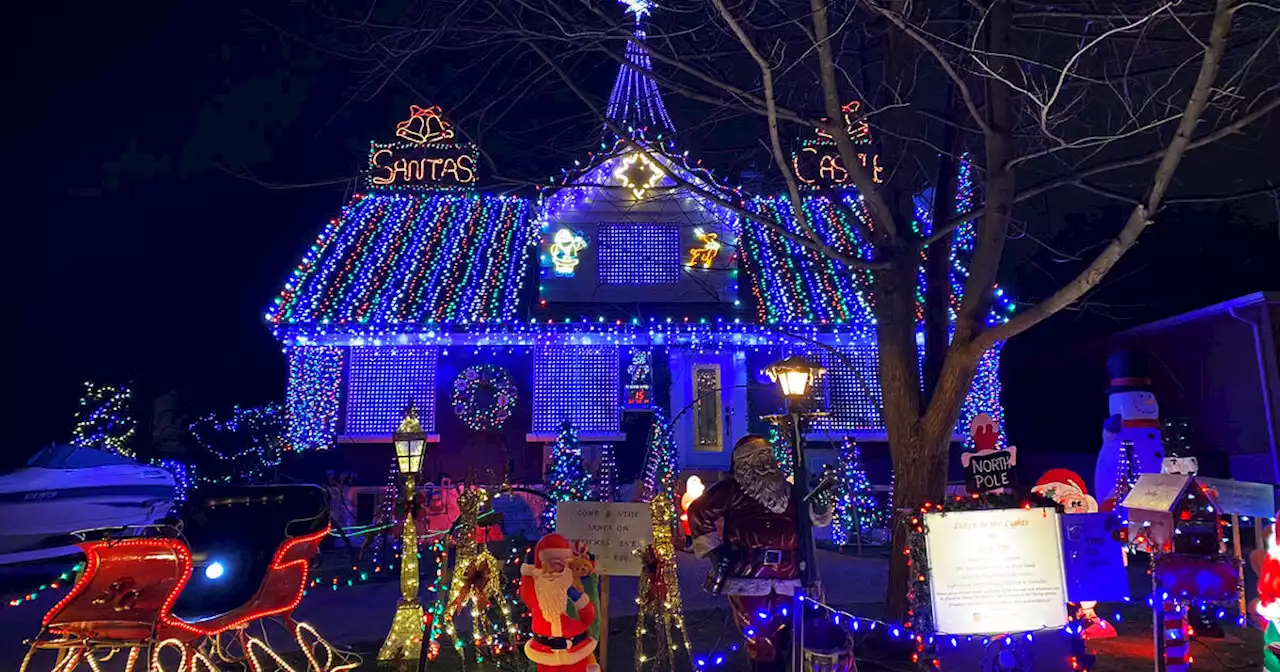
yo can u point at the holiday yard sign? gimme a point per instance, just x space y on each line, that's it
426 157
614 532
988 469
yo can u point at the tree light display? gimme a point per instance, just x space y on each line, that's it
857 512
660 609
103 419
567 481
661 465
604 483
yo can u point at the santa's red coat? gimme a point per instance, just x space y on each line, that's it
570 658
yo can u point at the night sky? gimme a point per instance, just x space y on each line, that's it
149 145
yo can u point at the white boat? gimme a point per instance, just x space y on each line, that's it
68 489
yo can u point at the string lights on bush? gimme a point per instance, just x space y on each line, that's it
104 419
311 397
250 440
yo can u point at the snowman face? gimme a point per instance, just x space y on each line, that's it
1135 405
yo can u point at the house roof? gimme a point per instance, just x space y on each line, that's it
791 283
411 258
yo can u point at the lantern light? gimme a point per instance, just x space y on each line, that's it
410 441
793 375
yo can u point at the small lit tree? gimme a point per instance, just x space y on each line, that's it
856 509
568 479
104 420
661 462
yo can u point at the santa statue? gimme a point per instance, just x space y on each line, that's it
560 642
746 524
1135 419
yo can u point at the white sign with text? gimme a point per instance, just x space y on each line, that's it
996 571
616 532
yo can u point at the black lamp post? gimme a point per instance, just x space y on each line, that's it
794 375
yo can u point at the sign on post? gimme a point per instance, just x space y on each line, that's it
616 532
996 571
1094 559
1240 498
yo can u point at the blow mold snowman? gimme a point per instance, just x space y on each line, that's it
1135 418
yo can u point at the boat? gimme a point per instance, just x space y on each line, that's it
64 490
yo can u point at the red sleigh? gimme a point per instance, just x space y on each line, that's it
125 599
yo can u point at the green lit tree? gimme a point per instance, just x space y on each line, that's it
568 481
857 511
104 419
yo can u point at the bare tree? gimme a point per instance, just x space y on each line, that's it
1095 98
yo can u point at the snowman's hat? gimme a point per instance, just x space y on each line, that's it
1128 372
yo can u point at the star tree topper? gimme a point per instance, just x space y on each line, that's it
638 7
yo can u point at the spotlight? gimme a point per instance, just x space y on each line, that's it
214 571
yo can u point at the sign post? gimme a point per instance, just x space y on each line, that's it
1239 498
615 533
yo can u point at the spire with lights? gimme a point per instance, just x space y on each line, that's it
635 103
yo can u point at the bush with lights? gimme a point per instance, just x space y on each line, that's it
103 419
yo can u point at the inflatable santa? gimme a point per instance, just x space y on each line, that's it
1135 419
561 642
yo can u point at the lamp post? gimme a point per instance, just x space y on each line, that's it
793 375
404 643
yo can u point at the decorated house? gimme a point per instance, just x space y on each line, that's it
631 283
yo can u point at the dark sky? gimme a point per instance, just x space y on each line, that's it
144 254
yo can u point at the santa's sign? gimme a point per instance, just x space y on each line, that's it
988 469
426 156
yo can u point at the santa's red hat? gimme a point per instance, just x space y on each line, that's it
1063 476
552 546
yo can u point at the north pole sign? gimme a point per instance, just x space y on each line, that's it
988 469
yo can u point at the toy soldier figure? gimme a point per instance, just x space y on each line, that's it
746 524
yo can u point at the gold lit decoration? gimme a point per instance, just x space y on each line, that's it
425 124
638 173
477 581
404 642
705 255
192 658
659 607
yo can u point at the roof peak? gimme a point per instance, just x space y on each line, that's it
635 102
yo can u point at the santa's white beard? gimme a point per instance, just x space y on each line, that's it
553 593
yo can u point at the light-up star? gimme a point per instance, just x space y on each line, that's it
637 173
638 7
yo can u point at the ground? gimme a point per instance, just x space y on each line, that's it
358 618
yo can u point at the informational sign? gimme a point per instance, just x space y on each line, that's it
996 571
615 532
426 156
1093 558
1241 498
1155 492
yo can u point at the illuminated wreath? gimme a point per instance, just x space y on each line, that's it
484 396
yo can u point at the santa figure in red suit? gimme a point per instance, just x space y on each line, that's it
560 642
747 524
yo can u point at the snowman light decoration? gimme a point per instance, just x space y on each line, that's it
1135 418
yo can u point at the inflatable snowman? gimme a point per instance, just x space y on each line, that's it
1135 418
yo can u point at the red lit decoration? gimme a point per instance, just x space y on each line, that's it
125 596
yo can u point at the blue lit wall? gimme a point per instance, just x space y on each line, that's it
579 383
380 382
311 396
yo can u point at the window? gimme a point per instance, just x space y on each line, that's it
382 381
708 410
578 383
639 253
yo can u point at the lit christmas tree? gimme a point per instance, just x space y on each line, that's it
856 507
660 462
568 479
386 514
782 450
605 484
103 419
